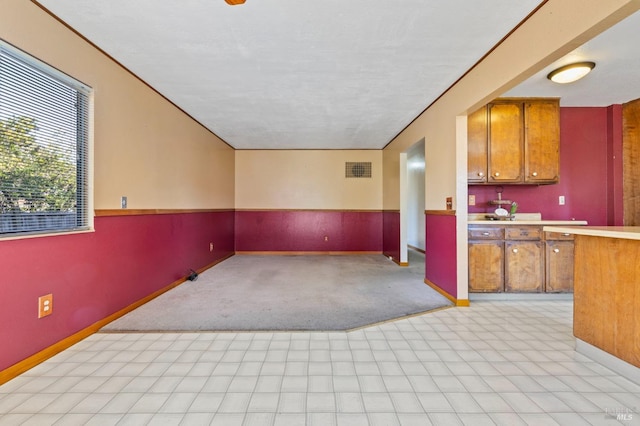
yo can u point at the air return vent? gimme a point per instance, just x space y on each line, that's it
357 170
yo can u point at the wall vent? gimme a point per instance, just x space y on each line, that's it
357 170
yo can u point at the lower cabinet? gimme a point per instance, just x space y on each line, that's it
524 262
559 263
486 266
519 259
486 259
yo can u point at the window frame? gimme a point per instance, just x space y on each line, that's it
88 123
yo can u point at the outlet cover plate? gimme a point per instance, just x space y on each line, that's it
45 305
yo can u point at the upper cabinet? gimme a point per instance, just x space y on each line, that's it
477 144
542 141
506 150
514 141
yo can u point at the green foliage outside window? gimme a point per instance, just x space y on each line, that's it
34 175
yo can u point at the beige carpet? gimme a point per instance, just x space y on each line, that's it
311 292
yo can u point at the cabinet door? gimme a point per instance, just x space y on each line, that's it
524 266
486 266
559 265
505 142
477 146
542 142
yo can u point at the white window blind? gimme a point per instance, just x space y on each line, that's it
44 133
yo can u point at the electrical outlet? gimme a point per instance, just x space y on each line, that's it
472 200
210 247
561 200
45 305
123 202
326 238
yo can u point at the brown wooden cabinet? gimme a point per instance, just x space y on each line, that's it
523 266
559 263
486 266
523 258
514 141
486 259
519 259
506 150
542 141
477 145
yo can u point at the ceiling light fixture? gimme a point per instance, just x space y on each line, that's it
234 2
570 73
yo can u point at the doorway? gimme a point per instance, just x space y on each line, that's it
412 200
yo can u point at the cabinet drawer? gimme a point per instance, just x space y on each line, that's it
523 233
486 233
558 236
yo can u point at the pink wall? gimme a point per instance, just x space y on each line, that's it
590 179
440 254
391 234
305 230
96 274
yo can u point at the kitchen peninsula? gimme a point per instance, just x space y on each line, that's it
607 291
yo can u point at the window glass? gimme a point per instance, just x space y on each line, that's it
43 147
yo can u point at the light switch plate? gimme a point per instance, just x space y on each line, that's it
123 202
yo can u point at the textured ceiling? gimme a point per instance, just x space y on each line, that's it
293 74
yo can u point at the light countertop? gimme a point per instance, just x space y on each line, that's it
529 222
522 219
625 232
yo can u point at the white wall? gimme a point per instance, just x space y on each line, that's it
416 194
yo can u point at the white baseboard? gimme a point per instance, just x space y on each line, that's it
623 368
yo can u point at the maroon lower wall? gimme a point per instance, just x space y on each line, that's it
440 258
94 275
308 230
590 178
391 234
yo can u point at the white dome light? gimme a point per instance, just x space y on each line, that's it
570 73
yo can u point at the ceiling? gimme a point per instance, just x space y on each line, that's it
330 74
292 74
614 80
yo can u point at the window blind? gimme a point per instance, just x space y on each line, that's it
44 134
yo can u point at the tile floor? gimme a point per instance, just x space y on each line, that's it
498 362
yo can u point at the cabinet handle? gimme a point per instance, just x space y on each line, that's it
515 250
481 174
496 174
534 174
565 235
556 250
485 233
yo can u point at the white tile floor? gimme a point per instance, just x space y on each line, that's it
505 363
